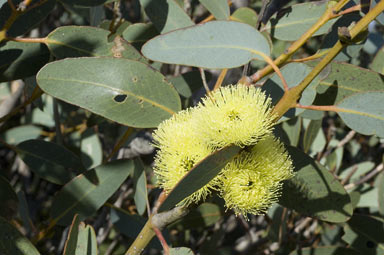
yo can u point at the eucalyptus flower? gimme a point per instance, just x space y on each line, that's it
252 181
235 114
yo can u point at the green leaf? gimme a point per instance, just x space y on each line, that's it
130 225
24 212
140 182
180 251
122 90
13 242
208 45
293 73
314 191
379 18
380 191
19 60
203 216
198 176
344 80
187 83
81 41
91 150
50 161
218 8
245 15
8 198
166 15
289 131
364 112
328 250
28 19
21 133
86 193
290 23
278 227
81 239
137 34
365 234
310 134
378 61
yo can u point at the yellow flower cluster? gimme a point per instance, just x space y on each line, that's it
234 114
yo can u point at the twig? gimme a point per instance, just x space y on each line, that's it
202 74
366 178
220 79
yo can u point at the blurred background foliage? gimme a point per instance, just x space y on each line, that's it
48 142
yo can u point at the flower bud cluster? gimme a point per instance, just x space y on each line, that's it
234 114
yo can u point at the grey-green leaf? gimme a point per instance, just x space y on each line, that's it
378 61
81 239
91 150
218 8
140 183
19 60
199 176
364 112
314 191
166 15
216 44
290 23
21 133
365 234
50 161
13 242
122 90
245 15
95 186
180 251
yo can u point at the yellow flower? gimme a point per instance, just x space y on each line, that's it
179 152
234 114
251 182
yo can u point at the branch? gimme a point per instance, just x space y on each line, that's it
328 15
290 97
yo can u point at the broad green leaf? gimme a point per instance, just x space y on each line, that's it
27 20
245 15
86 193
216 44
19 60
81 41
310 134
290 23
289 131
293 73
333 160
198 176
327 250
166 15
122 90
278 227
356 171
203 216
344 80
91 150
140 182
130 225
364 112
13 242
8 198
21 133
180 251
187 83
84 2
314 191
137 34
218 8
81 239
50 161
378 62
365 234
368 196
